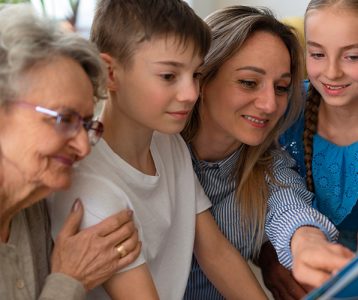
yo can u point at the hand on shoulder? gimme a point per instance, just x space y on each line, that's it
92 255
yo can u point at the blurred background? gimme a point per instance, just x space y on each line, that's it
79 13
282 8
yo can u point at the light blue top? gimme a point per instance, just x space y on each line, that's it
335 178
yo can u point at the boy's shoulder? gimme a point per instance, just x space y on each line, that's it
171 149
100 158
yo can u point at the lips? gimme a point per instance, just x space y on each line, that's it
335 87
68 161
179 114
258 121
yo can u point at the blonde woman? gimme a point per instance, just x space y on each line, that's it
251 92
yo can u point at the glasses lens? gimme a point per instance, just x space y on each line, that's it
68 123
95 131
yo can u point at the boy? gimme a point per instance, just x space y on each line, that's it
153 50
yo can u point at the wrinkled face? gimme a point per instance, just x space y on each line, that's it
249 93
332 54
160 88
33 149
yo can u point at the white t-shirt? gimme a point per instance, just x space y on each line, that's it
165 206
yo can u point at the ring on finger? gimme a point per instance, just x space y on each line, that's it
121 250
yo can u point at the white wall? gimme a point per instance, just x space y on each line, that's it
281 8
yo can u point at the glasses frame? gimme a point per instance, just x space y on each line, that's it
94 128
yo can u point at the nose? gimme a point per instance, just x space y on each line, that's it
266 100
188 91
333 69
80 142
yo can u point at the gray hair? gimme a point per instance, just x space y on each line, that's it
27 40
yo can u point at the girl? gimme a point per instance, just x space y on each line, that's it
324 140
330 149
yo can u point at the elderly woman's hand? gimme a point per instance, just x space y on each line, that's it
93 254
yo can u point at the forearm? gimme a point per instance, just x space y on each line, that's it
62 287
290 207
231 275
134 284
222 263
287 214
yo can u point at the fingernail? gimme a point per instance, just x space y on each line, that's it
76 205
130 212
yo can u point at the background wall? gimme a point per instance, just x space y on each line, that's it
60 9
281 8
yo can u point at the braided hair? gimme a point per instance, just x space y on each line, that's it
311 122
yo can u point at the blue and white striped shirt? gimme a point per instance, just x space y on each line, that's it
288 208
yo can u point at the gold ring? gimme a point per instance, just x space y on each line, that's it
121 250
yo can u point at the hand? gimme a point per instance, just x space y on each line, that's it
276 277
315 259
91 255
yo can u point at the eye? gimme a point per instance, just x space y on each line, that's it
316 55
248 84
88 124
167 76
282 90
66 121
352 57
66 118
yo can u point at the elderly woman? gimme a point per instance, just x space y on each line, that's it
48 81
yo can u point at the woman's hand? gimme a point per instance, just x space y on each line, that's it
94 254
315 259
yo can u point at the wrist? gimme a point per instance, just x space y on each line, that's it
304 235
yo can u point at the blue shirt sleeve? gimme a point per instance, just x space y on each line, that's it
290 207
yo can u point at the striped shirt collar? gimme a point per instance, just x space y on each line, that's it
225 166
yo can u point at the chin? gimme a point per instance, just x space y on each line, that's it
172 130
253 142
59 183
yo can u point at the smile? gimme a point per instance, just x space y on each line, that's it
254 120
335 87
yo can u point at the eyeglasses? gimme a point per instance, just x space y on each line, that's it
69 123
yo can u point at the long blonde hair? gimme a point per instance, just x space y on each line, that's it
231 27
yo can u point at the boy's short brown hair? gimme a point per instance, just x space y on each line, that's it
120 25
